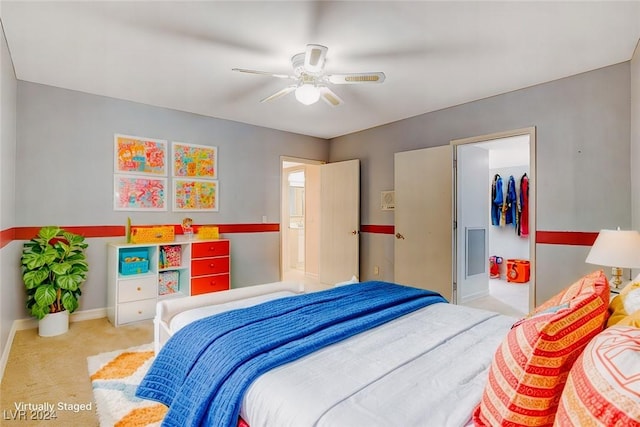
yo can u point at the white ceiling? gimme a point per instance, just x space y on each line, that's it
507 152
179 54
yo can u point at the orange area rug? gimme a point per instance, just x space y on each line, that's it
114 377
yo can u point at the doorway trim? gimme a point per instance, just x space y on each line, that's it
283 209
531 132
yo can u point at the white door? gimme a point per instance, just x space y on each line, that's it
472 219
339 221
423 247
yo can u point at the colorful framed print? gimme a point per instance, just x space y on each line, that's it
139 193
138 155
194 161
195 195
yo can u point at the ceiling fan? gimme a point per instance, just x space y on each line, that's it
310 79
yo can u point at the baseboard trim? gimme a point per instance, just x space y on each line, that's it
96 313
7 350
31 323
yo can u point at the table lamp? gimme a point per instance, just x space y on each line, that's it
617 249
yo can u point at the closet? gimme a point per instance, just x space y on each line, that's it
444 239
493 223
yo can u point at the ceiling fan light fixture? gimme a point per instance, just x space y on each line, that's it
307 94
310 80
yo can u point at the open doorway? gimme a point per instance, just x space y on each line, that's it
300 220
494 255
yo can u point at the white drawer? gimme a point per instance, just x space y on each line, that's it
137 310
137 289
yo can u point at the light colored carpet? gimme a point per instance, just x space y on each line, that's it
510 299
53 370
513 294
115 377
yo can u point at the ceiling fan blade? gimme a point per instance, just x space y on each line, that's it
314 58
263 73
329 96
282 92
351 78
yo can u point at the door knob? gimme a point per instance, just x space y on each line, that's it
354 232
399 236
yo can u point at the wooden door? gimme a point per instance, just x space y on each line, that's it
423 219
339 221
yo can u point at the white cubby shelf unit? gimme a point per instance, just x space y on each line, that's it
140 275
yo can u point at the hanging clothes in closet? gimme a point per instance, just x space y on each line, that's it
497 200
523 229
511 203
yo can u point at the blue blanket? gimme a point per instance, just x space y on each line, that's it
203 371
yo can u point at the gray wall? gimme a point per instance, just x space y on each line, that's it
8 137
583 166
65 174
635 136
9 275
65 153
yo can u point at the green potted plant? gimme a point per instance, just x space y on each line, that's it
54 266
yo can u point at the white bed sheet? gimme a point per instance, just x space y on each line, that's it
182 319
428 368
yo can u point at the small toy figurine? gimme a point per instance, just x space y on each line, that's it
187 227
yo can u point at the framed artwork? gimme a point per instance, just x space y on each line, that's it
194 161
139 193
138 155
195 195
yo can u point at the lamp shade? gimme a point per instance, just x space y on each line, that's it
307 94
616 248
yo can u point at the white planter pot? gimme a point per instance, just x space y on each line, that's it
54 324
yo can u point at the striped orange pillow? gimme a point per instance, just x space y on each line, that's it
603 388
531 365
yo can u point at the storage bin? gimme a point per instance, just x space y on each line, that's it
134 267
518 270
158 234
170 256
134 261
168 282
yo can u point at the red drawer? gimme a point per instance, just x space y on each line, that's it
205 266
203 285
208 249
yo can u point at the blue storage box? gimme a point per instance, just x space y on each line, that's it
134 261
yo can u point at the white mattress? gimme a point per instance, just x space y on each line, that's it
425 369
184 318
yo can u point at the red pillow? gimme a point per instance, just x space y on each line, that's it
530 368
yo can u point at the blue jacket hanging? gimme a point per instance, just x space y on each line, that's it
511 203
497 200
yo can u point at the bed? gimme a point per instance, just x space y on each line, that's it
173 314
435 364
